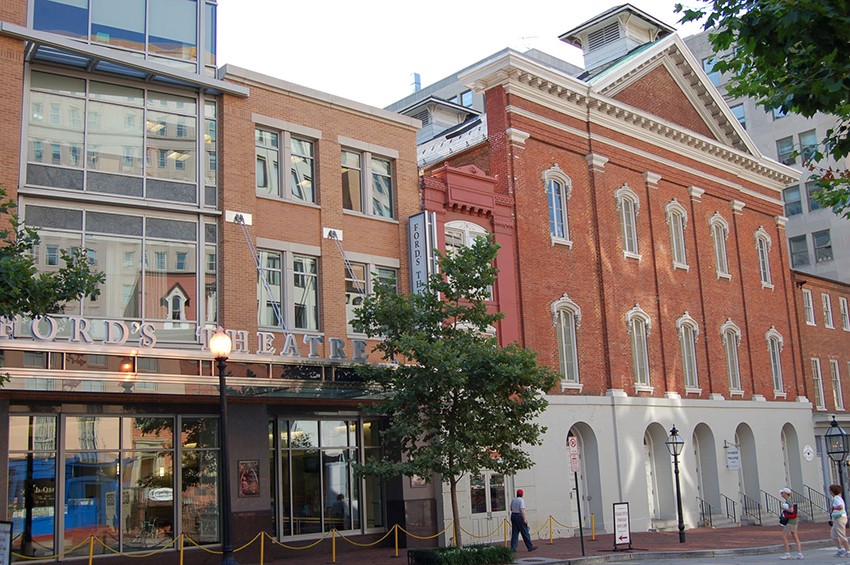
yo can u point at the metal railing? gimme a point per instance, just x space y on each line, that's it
750 508
804 504
818 499
731 510
705 513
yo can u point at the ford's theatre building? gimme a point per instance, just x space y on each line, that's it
209 197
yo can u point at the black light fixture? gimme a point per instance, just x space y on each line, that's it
220 346
675 444
837 448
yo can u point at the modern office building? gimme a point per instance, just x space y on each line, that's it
818 239
651 270
209 197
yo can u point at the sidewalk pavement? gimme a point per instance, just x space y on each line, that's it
700 542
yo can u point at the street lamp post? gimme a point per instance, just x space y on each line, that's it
220 345
674 444
837 448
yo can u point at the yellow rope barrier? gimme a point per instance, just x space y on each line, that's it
481 537
414 536
376 542
136 555
564 525
248 544
202 548
314 544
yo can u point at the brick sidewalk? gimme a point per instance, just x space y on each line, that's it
562 549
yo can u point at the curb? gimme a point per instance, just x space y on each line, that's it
631 555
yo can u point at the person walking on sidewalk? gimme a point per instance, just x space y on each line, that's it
789 528
838 521
519 523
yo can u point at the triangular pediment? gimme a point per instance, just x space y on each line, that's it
666 81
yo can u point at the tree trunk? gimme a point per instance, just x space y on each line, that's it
455 514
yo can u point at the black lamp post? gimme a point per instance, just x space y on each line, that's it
675 444
837 449
220 345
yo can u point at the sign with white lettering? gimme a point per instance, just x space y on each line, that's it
622 526
421 241
5 543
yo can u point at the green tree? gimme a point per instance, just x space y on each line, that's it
27 292
458 402
790 56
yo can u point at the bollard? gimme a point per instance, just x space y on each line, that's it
262 547
91 549
333 545
593 527
551 534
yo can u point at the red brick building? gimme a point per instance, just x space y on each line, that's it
651 264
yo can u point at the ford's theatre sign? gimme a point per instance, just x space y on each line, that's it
79 330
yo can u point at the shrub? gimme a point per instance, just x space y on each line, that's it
471 555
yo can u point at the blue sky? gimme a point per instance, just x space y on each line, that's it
368 51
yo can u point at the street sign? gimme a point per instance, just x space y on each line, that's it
572 443
622 527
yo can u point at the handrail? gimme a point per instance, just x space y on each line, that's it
750 507
729 502
772 504
804 504
705 513
818 498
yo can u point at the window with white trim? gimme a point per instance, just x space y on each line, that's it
817 384
559 187
808 307
463 234
367 183
719 235
731 336
628 205
567 318
774 348
677 219
688 331
837 394
358 286
827 311
763 245
287 291
845 313
638 324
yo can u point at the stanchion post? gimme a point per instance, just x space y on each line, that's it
182 545
505 527
333 545
91 549
396 539
262 547
593 527
551 535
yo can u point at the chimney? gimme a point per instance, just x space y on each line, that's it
417 82
615 33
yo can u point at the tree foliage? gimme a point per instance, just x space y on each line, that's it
791 56
26 291
458 402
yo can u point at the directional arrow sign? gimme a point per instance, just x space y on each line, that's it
622 533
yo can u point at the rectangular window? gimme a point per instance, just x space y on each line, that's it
774 345
738 112
358 286
640 352
629 220
567 345
689 362
812 189
845 314
367 184
730 346
799 247
287 291
558 218
837 394
160 260
677 238
808 145
793 201
708 67
808 307
778 113
764 262
817 379
785 150
180 261
52 256
487 493
823 246
827 311
719 232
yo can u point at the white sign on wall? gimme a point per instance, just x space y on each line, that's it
733 458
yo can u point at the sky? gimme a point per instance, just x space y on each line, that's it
367 51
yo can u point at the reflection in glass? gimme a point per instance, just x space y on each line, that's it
306 491
337 488
334 433
120 24
304 433
302 170
90 433
477 494
33 517
498 500
373 495
169 291
382 188
147 502
55 129
200 494
199 432
173 28
64 17
91 493
267 168
170 152
121 294
306 299
116 139
351 181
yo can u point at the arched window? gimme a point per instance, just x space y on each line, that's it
628 205
774 347
638 325
567 318
763 245
719 234
461 233
677 219
559 187
731 337
688 330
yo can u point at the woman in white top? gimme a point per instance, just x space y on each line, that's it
839 522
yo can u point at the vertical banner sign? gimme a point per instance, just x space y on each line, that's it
420 243
5 543
572 443
733 458
622 527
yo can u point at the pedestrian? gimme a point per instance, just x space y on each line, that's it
838 521
519 523
789 528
